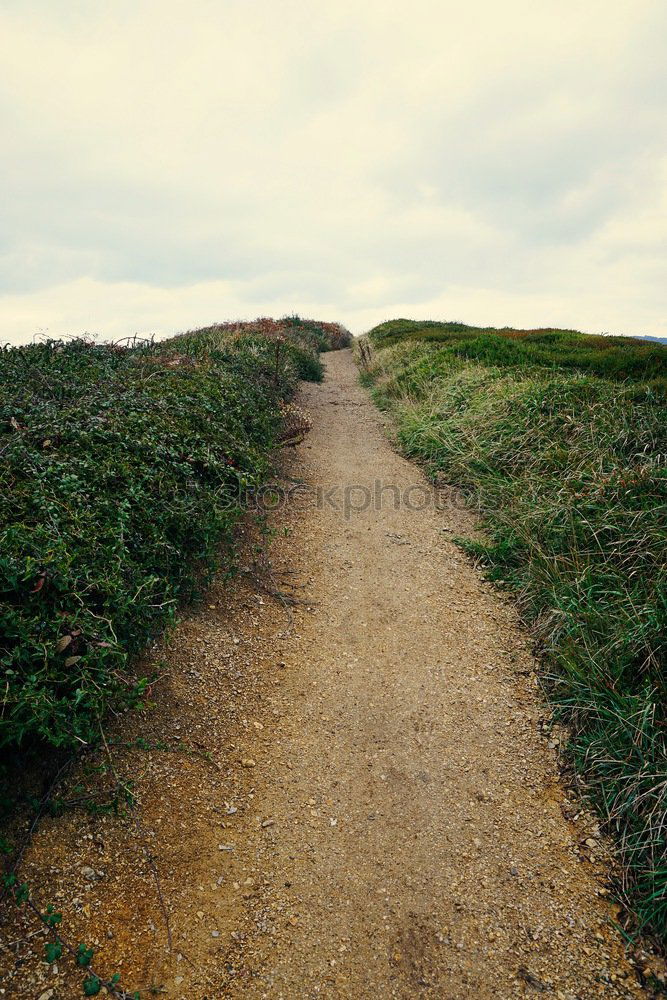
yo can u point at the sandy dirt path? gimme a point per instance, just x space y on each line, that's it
380 814
419 842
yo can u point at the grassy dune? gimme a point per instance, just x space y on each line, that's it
561 441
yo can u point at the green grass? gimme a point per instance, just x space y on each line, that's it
123 474
568 466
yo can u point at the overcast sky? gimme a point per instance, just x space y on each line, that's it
166 165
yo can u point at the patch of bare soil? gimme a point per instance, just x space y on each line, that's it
359 800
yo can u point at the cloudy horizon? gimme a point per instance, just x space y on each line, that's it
170 165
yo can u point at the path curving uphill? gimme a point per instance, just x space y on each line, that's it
419 843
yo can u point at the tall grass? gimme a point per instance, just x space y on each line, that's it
569 470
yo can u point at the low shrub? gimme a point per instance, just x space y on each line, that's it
123 473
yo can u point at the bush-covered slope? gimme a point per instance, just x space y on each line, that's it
569 470
123 472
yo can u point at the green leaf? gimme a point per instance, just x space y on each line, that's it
51 917
84 955
52 951
92 986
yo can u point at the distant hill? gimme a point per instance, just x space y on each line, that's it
659 340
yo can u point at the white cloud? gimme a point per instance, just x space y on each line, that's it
170 164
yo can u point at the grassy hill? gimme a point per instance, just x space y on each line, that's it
610 357
560 440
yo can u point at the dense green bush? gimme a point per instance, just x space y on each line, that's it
123 472
570 473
